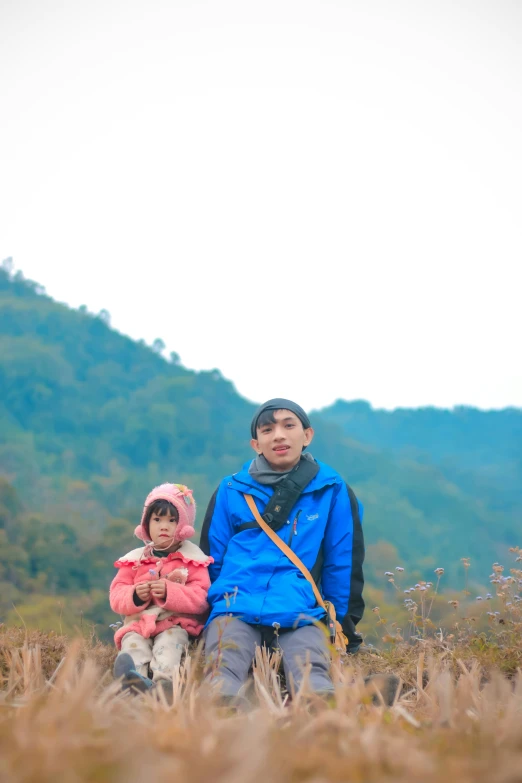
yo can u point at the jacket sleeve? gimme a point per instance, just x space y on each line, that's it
356 605
204 543
341 578
190 598
121 594
217 530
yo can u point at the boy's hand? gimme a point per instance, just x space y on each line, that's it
158 588
142 590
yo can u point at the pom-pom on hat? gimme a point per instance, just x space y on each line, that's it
181 498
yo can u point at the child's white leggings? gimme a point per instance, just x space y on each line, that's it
162 652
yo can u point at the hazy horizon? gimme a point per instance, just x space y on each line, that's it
165 356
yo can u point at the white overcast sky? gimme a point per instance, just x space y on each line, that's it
322 199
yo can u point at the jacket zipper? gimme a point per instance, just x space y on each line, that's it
293 529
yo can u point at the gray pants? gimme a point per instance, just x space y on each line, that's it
230 646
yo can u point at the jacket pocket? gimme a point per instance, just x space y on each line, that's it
305 591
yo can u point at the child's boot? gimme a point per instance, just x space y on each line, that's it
130 678
167 689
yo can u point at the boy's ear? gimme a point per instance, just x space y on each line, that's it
255 445
309 434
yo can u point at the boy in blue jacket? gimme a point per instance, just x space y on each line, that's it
258 596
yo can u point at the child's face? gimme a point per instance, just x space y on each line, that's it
282 443
162 529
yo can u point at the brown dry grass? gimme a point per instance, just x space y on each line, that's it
62 718
51 649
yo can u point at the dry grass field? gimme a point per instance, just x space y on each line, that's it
456 717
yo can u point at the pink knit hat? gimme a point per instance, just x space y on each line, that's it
181 497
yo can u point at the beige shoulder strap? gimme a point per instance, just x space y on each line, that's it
284 548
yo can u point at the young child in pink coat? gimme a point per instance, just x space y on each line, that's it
160 589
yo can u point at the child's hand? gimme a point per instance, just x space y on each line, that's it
158 588
142 590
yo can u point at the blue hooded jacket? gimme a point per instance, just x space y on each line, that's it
252 579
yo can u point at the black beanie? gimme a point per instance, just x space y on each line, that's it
277 404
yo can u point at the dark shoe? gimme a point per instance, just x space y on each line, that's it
386 684
362 648
166 688
124 670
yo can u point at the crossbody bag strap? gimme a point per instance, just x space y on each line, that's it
287 492
284 548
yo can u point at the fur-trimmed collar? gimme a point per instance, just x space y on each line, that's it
188 552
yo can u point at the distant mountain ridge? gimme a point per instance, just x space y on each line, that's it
467 444
90 420
480 435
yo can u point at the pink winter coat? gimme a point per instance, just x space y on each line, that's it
184 604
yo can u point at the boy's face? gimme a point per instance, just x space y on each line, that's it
282 443
162 529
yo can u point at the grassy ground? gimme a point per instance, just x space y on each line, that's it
458 717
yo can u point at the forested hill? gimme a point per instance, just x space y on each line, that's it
90 420
470 446
81 401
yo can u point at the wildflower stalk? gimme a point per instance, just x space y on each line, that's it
439 572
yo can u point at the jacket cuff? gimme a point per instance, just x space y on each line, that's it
172 591
137 600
